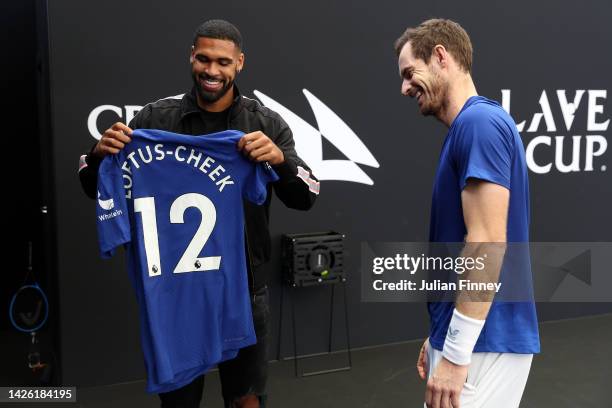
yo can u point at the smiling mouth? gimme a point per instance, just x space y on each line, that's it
418 96
210 84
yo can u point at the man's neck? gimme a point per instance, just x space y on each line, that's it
218 106
460 90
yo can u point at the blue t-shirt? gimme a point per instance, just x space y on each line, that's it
176 202
483 143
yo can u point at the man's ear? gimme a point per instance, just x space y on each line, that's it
441 55
191 59
240 62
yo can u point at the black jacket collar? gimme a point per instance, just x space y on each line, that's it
189 103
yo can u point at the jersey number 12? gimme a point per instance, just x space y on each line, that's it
189 262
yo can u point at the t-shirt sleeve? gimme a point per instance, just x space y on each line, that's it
483 150
256 185
111 208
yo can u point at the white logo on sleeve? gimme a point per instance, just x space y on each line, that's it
106 204
308 141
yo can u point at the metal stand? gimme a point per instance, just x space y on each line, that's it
331 320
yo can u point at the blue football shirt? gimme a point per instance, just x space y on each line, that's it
176 202
483 143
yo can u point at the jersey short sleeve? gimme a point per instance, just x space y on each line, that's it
482 149
255 189
111 208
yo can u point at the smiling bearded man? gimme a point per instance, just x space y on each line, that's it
479 352
215 105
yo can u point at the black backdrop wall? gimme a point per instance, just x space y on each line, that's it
125 54
26 189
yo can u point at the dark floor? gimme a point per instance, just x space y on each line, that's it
574 371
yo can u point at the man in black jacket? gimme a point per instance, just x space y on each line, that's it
215 104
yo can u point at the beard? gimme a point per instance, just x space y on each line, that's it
435 101
208 96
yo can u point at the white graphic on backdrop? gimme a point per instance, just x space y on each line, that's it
582 153
92 119
308 141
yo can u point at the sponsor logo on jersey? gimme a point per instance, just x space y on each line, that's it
106 204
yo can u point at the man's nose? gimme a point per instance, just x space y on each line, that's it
212 69
406 87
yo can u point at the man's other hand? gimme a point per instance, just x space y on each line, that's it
113 140
260 148
445 385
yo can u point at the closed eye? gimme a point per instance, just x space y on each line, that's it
407 73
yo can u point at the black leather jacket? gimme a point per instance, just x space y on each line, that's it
183 115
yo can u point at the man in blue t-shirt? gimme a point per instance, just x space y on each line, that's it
479 352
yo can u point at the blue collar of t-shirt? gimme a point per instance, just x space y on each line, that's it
471 101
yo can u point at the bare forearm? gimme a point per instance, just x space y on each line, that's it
477 303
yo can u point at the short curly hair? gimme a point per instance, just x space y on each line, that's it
219 30
430 33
